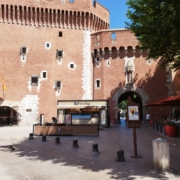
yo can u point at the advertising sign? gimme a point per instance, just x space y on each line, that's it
133 113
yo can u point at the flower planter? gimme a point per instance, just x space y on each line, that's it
171 131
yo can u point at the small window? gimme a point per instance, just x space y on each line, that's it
60 33
113 36
97 59
23 50
71 65
149 61
47 45
59 54
34 80
97 83
63 1
58 84
44 74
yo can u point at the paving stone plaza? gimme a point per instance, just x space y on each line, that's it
37 160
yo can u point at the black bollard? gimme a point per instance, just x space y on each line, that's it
31 136
75 143
57 140
43 138
120 156
95 149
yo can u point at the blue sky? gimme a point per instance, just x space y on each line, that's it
117 10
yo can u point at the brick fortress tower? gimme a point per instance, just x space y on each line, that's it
54 50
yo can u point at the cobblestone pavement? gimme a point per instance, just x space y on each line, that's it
37 160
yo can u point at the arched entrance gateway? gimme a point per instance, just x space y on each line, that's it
8 116
137 94
135 98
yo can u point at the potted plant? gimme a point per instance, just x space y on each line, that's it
171 129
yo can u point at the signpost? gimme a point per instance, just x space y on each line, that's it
133 121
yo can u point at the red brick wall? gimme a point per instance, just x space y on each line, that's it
150 78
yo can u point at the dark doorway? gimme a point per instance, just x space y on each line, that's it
8 116
135 98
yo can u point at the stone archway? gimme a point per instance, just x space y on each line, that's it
124 89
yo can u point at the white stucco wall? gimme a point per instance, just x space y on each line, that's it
87 67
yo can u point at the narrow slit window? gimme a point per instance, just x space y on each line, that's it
58 84
97 83
60 33
44 75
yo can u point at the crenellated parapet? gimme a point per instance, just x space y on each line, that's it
58 14
115 43
118 52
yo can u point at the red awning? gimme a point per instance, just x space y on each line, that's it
167 101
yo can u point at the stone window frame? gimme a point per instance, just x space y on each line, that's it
58 87
72 68
42 74
98 83
47 45
59 54
108 63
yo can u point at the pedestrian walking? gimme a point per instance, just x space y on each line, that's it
148 119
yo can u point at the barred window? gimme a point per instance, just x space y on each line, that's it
34 80
23 50
58 84
59 54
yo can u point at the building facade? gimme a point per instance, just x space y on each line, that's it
53 50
